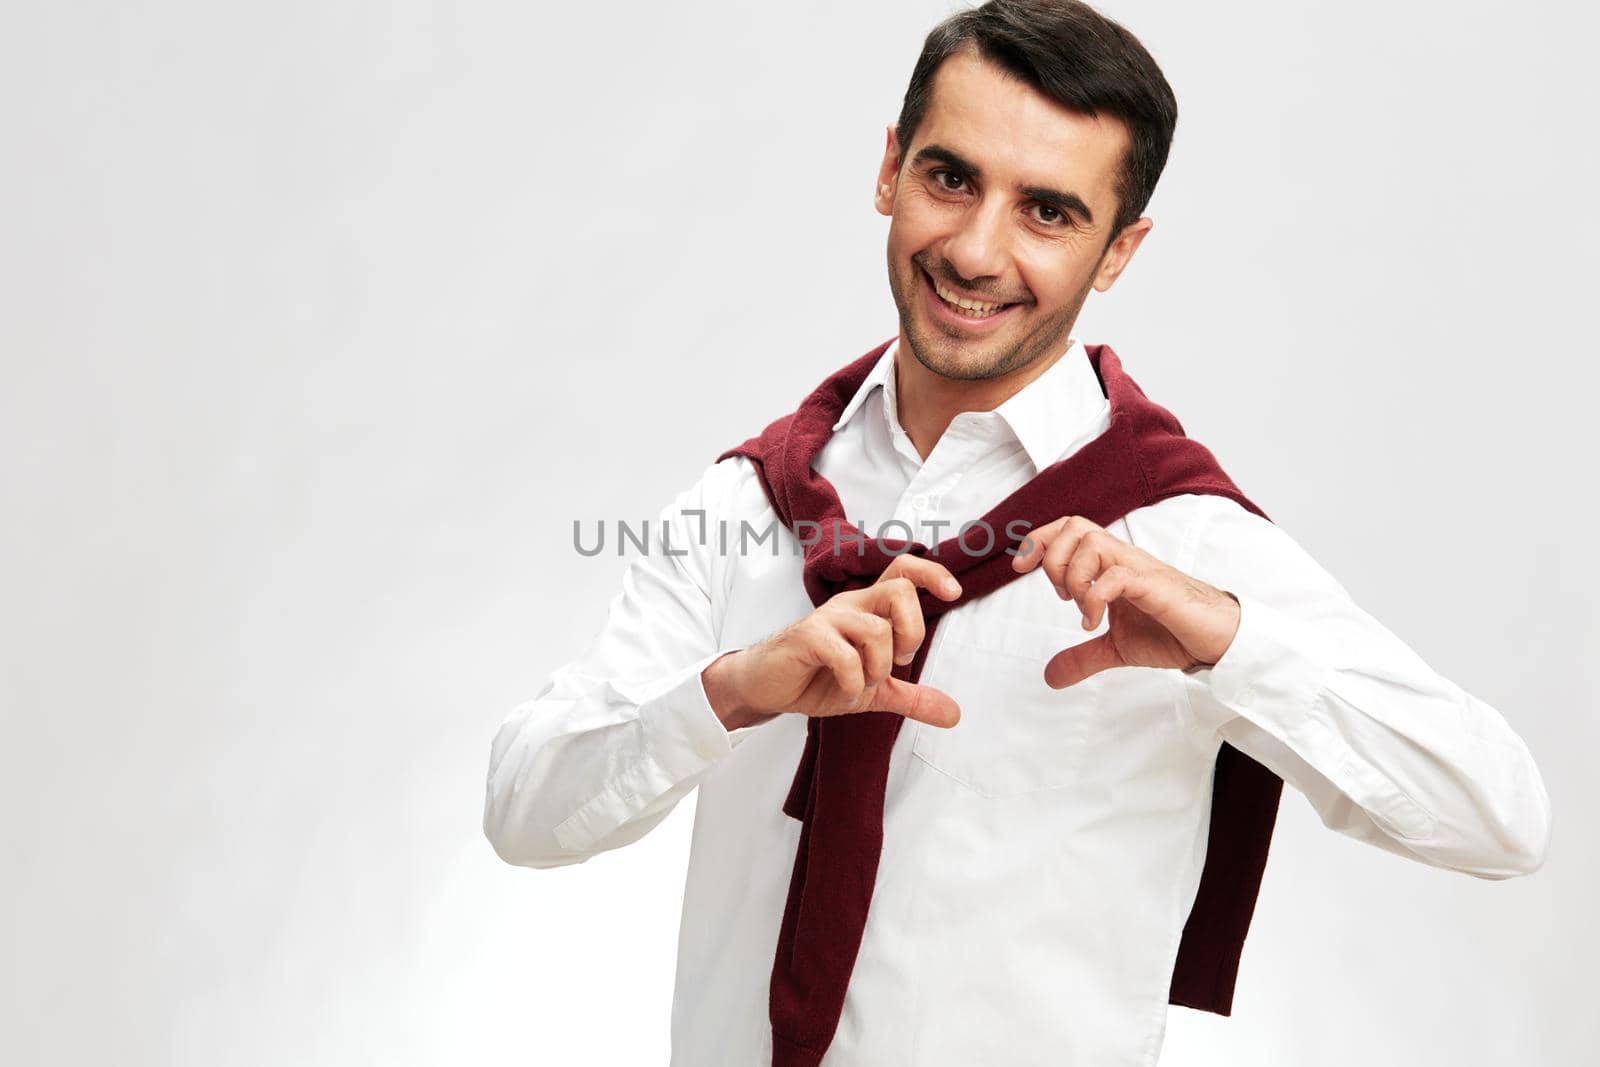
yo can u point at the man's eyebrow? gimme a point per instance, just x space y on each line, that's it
941 154
1066 203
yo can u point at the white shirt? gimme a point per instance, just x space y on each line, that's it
1041 856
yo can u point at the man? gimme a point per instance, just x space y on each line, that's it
1042 835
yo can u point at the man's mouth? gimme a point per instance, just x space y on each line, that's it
965 307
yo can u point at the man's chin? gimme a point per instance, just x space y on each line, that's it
960 358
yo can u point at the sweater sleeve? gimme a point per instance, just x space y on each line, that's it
614 739
1385 749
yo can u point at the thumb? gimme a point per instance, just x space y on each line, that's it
1072 665
920 702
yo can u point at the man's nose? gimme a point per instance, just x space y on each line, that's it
979 248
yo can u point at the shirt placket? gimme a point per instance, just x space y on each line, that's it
923 506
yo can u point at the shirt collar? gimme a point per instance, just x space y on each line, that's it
1047 416
881 374
1053 413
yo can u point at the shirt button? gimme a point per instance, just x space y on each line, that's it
919 502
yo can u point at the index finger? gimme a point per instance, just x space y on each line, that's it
1037 541
925 574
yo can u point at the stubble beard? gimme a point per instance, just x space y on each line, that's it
928 344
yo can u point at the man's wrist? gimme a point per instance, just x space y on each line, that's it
718 680
1197 667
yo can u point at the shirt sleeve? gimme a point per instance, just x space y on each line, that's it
1318 691
615 738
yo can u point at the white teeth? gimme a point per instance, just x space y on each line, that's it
976 309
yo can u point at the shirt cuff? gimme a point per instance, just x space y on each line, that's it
683 729
1265 674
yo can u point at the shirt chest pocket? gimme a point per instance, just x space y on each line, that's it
1016 734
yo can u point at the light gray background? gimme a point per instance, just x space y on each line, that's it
323 320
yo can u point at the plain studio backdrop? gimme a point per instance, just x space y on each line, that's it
322 323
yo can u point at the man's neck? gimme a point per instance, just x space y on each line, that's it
928 402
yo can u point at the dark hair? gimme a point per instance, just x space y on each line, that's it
1075 56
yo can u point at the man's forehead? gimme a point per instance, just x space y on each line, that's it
1016 132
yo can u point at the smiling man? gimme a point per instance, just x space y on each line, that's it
988 677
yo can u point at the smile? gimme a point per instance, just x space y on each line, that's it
956 308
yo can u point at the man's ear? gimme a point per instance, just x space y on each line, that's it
888 172
1120 251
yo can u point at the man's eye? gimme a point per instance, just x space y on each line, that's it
938 177
1053 215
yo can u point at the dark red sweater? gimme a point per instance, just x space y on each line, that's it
838 788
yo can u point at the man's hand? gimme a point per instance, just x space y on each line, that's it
838 659
1160 617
